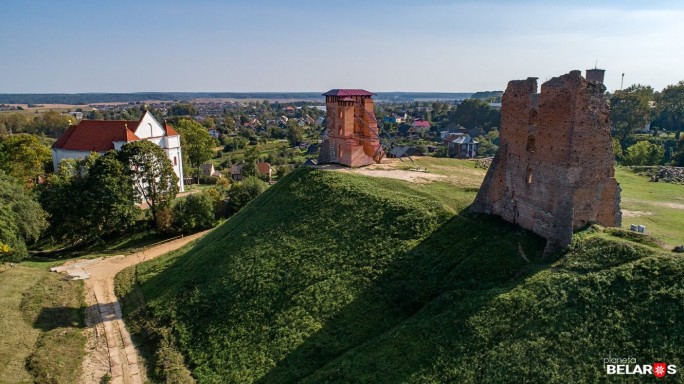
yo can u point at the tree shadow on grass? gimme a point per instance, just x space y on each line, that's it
58 317
395 328
388 331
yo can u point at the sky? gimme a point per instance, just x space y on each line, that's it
60 46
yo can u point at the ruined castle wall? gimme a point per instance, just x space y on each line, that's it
553 172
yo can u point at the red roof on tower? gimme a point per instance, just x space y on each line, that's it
169 130
348 92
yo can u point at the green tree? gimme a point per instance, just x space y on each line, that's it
472 113
245 191
23 156
488 143
671 107
617 149
249 168
197 144
644 153
154 181
182 110
295 133
22 220
630 109
89 199
109 197
283 170
678 156
51 123
193 213
59 196
13 123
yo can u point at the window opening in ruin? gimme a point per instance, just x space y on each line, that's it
531 145
339 151
529 175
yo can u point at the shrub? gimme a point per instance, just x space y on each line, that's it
644 153
163 221
193 213
245 191
209 180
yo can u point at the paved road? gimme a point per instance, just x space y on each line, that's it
109 346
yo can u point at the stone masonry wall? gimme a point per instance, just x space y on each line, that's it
553 172
351 133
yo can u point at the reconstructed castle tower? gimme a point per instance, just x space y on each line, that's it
553 172
352 131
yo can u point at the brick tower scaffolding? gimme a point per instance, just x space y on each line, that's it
351 129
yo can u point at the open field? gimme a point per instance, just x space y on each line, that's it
658 206
62 108
40 326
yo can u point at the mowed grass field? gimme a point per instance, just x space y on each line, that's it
41 339
42 108
658 206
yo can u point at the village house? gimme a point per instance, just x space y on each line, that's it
100 136
452 130
213 132
461 146
421 126
263 168
395 118
208 170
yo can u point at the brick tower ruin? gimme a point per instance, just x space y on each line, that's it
553 172
352 131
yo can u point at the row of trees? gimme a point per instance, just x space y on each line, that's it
95 197
92 199
22 220
638 105
50 123
24 157
635 108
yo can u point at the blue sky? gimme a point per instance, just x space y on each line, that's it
287 45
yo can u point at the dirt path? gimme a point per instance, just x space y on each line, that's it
389 168
109 348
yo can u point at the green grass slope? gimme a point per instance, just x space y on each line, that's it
332 277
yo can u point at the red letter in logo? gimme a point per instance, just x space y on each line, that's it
659 370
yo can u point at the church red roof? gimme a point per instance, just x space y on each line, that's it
97 135
348 92
100 135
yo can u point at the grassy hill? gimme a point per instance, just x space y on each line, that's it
336 277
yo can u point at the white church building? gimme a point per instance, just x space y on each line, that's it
100 136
